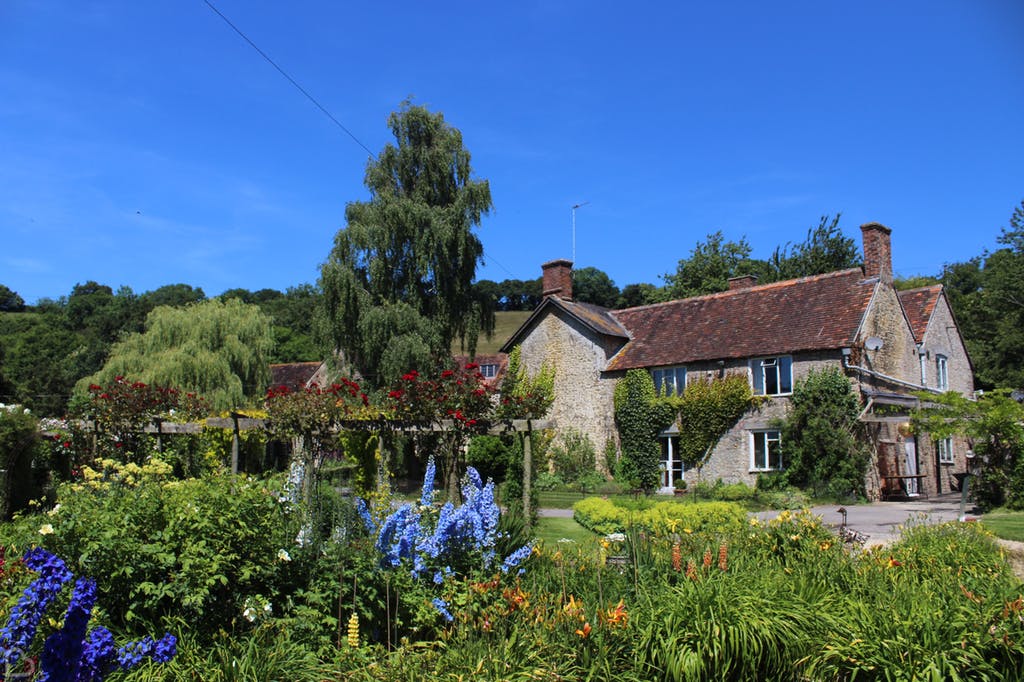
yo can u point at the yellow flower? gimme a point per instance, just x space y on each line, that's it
46 529
824 545
353 630
688 531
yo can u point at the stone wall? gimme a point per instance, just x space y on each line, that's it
732 458
583 396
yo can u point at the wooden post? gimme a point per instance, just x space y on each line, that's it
234 443
527 473
159 430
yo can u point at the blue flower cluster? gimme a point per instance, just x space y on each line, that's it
71 654
462 538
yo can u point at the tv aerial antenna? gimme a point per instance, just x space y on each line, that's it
575 206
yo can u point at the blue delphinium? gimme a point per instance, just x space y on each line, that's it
427 497
20 630
462 539
442 608
62 652
71 654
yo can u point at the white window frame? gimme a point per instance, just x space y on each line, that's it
779 365
924 368
766 437
942 372
945 447
660 374
489 371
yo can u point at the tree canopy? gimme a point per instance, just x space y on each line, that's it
397 285
218 349
987 296
591 285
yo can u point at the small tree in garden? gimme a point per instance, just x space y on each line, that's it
994 423
640 416
708 408
820 445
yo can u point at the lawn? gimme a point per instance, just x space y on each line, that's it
550 530
1007 525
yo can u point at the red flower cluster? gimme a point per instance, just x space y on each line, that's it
460 395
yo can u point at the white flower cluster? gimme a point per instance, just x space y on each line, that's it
14 409
256 607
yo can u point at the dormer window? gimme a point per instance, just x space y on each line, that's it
772 376
941 376
669 380
489 371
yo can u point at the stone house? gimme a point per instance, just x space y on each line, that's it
890 344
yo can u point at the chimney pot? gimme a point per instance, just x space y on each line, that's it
742 282
877 251
557 280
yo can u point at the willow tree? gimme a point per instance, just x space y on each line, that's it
397 285
218 349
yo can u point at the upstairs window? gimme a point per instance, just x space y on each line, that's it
924 368
765 451
489 371
941 377
669 380
945 451
772 376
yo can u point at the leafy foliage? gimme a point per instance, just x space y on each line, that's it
216 348
20 444
987 296
708 408
591 285
994 423
640 416
397 285
820 445
663 518
524 396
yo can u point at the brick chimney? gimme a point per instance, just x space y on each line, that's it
742 282
877 251
558 279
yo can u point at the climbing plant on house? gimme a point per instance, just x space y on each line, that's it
708 408
640 416
820 447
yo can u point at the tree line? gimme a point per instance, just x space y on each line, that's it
399 288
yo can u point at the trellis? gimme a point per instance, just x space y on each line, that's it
238 422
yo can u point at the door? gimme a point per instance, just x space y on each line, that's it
910 468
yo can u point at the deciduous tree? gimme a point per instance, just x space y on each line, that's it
397 283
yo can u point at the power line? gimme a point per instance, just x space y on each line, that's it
290 79
312 99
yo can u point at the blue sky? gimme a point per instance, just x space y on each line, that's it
145 143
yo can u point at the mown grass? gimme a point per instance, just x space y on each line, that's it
1008 525
550 530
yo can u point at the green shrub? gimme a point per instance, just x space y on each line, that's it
572 455
604 517
20 444
195 549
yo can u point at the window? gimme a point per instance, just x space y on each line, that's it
670 380
766 453
489 371
941 378
945 451
924 368
773 376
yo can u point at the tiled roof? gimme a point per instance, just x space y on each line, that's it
822 312
294 375
919 305
598 319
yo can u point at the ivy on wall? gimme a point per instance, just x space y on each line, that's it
640 416
708 408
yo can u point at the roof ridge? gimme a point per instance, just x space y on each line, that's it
760 287
927 287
